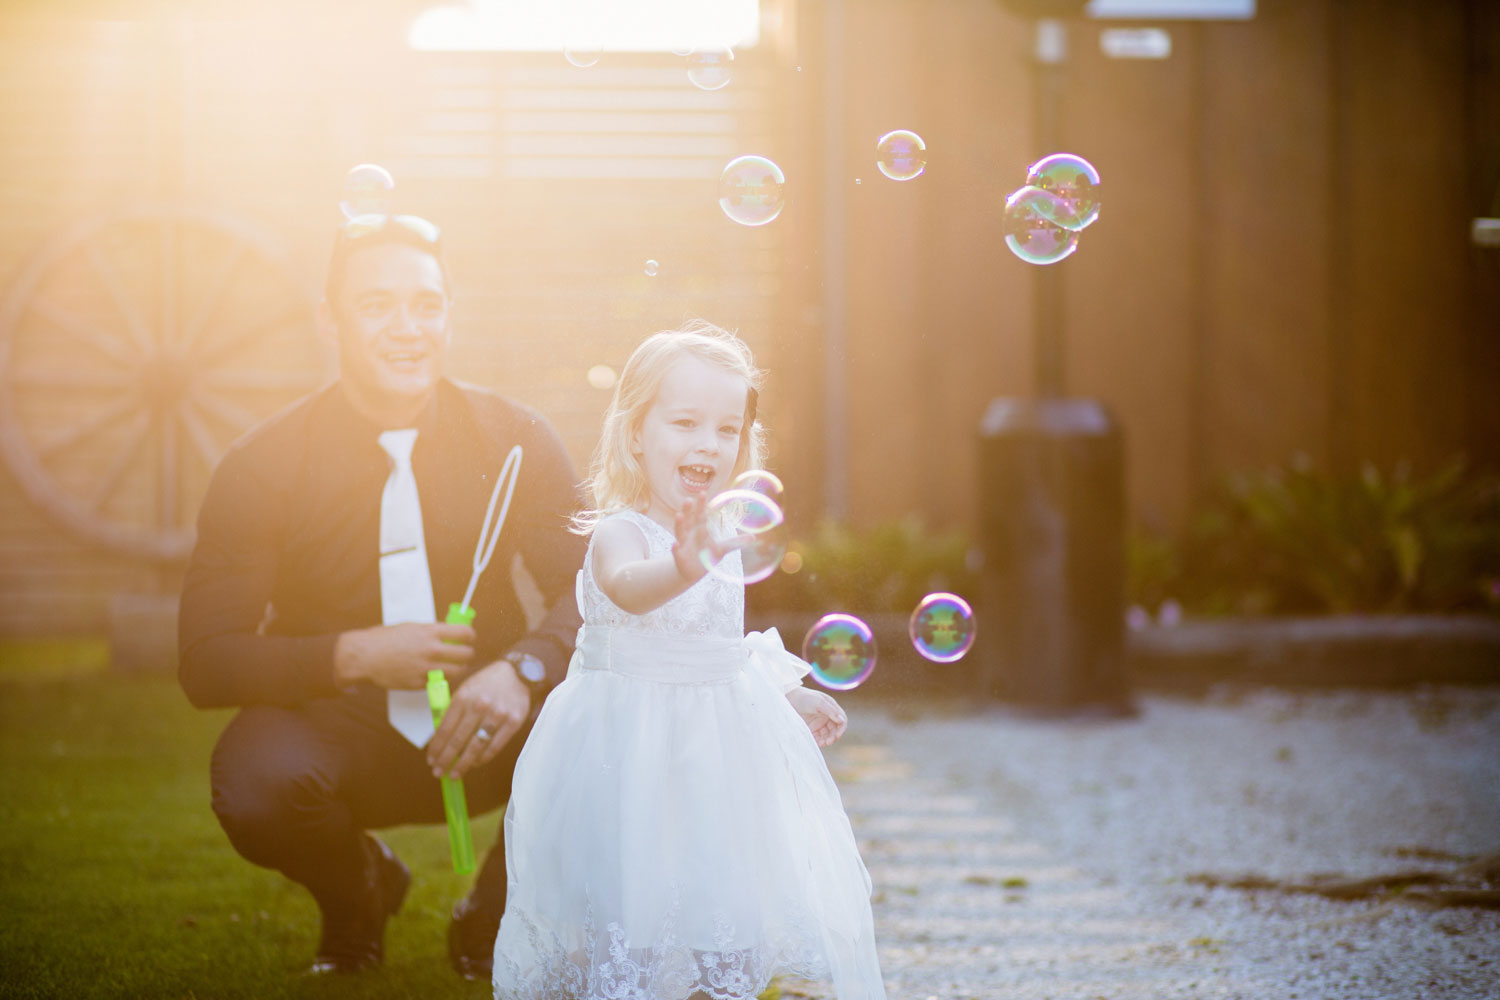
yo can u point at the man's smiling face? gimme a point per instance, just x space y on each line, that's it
393 325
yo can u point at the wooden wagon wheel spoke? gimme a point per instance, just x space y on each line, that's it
166 496
102 420
139 425
199 434
117 366
170 293
83 331
68 378
110 278
212 357
264 381
233 414
213 294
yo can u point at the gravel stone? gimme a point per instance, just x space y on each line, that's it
1031 858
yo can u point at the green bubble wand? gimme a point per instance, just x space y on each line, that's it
460 837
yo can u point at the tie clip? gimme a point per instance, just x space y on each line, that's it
394 552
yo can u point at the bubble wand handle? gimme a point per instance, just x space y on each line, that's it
455 805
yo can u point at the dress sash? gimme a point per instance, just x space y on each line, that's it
655 657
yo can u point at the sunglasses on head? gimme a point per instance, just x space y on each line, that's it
365 226
371 230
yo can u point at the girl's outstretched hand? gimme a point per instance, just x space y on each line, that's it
821 713
691 528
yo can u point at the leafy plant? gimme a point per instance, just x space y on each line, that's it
887 567
1293 539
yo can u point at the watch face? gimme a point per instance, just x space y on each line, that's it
531 669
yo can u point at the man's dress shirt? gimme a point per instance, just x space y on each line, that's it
288 547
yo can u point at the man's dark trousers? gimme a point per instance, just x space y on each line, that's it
296 787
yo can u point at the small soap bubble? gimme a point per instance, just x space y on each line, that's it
752 190
901 155
651 268
1137 618
1074 181
1169 613
602 377
1029 232
367 192
584 54
841 649
756 521
710 69
942 627
759 481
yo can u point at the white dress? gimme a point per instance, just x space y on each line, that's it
672 826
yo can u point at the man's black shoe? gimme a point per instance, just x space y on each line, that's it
471 940
355 939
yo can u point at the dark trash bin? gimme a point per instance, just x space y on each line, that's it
1052 532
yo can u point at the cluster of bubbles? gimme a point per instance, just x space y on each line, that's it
752 189
1044 216
749 513
368 188
841 648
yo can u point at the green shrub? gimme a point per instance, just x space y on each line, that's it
1295 540
888 567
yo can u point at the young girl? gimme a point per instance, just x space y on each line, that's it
673 831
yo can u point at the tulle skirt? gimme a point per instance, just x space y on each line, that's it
673 829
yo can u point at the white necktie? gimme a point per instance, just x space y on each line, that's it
405 583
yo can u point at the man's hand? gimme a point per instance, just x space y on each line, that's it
821 713
399 656
493 699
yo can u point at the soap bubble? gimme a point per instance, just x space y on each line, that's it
651 267
758 521
367 192
759 481
709 69
751 190
942 627
901 155
1029 232
584 54
1074 181
841 649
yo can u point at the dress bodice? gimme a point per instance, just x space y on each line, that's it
711 607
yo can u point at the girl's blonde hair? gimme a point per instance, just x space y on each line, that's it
616 478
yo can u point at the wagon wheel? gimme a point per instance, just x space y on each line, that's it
133 349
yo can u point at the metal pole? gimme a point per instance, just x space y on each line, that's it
1051 50
835 418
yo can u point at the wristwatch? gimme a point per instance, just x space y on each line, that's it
531 671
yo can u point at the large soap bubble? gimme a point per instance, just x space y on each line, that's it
759 527
901 155
1029 230
367 192
942 627
841 649
1074 182
751 190
710 68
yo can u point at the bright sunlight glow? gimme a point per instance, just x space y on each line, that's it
614 25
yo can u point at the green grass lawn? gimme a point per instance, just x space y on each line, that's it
116 880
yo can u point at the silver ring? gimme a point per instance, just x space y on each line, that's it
482 734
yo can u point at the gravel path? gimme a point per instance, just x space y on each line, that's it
1024 858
